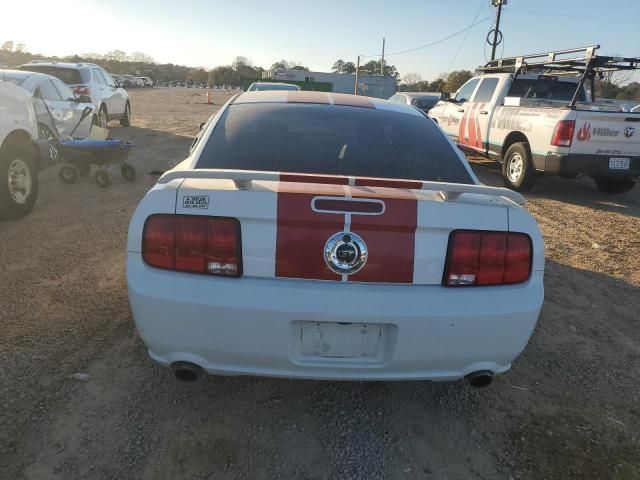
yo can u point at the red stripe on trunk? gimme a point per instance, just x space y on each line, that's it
390 238
303 233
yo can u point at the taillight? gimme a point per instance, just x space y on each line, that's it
487 258
82 90
193 243
563 133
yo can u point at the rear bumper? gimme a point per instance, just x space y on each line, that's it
251 326
594 165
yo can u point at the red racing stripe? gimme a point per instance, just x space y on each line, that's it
390 237
303 233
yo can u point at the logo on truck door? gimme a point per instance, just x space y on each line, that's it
628 132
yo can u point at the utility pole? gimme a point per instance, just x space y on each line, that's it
357 72
496 31
382 70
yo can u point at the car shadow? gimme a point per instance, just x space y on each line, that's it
579 191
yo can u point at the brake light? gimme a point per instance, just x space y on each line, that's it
82 90
563 133
487 258
193 243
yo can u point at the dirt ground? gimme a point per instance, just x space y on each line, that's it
569 408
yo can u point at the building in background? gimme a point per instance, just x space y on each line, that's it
369 85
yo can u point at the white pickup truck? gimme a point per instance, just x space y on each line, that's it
21 153
534 114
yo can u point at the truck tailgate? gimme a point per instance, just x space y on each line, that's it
607 133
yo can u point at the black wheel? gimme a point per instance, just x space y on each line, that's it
128 172
102 178
68 174
614 185
102 118
518 172
18 181
126 120
45 133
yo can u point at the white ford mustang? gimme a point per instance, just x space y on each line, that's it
329 236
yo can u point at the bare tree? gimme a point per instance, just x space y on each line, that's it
20 47
412 78
7 46
141 57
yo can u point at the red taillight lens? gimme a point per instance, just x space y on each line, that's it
190 243
82 90
563 133
487 258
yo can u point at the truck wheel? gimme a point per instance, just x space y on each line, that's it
518 172
18 181
614 185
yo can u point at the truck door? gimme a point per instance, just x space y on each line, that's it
476 122
456 110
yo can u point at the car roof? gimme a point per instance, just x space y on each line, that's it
322 98
30 79
45 63
275 83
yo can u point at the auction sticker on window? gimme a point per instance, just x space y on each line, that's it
195 201
619 163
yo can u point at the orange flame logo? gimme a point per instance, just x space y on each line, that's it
584 132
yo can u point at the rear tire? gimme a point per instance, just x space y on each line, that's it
18 181
126 120
614 185
518 172
103 119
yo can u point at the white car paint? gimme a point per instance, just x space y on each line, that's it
93 80
259 324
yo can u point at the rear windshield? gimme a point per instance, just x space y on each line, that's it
545 89
70 76
324 139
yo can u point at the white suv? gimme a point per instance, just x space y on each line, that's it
111 101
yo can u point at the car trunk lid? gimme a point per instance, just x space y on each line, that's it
287 226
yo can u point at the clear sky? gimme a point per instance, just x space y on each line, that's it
210 32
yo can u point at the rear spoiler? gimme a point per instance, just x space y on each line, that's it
243 179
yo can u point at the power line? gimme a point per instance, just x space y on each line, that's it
461 44
569 15
460 32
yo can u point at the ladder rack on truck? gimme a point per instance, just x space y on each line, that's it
581 62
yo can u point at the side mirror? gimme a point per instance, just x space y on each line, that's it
83 99
202 125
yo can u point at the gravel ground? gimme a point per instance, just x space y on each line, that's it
567 409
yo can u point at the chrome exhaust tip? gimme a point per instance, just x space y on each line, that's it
480 379
186 371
